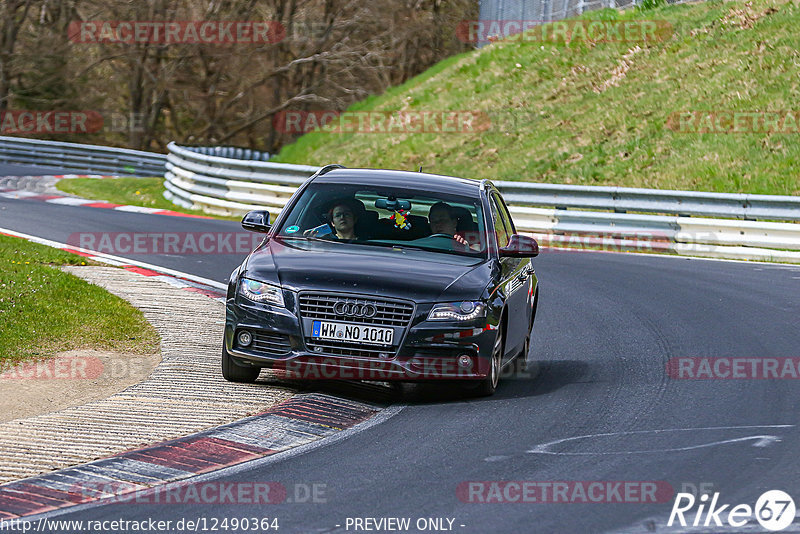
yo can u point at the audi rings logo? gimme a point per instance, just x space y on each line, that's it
354 309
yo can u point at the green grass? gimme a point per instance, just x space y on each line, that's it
147 192
44 310
555 116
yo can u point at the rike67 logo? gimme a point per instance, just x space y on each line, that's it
774 510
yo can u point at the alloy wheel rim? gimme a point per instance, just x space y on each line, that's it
496 358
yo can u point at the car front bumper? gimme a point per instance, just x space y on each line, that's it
423 351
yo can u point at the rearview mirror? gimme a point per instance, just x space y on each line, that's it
256 221
520 246
392 204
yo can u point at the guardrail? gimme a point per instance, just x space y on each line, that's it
229 186
80 158
233 186
230 152
623 199
230 180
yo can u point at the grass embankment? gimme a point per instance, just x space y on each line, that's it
44 310
597 113
147 192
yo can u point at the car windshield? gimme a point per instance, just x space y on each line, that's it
390 217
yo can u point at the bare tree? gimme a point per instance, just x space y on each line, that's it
12 16
333 53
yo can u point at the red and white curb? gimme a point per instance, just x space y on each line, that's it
303 419
188 282
75 201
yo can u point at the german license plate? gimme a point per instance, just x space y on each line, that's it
372 335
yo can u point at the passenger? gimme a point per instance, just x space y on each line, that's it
443 220
342 219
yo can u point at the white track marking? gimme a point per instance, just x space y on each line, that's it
138 209
762 440
118 260
70 201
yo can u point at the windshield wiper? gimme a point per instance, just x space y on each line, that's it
405 245
382 244
309 238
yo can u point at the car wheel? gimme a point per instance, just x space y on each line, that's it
234 372
488 385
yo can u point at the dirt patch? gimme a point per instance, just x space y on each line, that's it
70 378
745 17
620 71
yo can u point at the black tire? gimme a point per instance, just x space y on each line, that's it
234 372
488 385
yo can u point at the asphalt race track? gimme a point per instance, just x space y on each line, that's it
7 169
602 407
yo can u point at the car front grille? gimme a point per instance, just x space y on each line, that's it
388 313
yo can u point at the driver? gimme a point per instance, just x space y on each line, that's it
443 220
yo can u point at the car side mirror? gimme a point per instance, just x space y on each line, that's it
520 246
256 221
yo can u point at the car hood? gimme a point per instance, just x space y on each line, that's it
388 272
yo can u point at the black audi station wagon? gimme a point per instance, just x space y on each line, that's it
383 275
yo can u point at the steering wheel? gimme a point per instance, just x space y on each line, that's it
451 237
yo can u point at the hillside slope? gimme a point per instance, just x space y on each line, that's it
608 113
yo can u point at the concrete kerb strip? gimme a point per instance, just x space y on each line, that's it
185 394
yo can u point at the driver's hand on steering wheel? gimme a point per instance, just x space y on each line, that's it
460 239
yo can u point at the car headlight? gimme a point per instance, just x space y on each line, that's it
457 311
261 292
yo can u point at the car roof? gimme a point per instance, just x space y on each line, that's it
407 179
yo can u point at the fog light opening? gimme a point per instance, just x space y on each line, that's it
245 338
465 360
